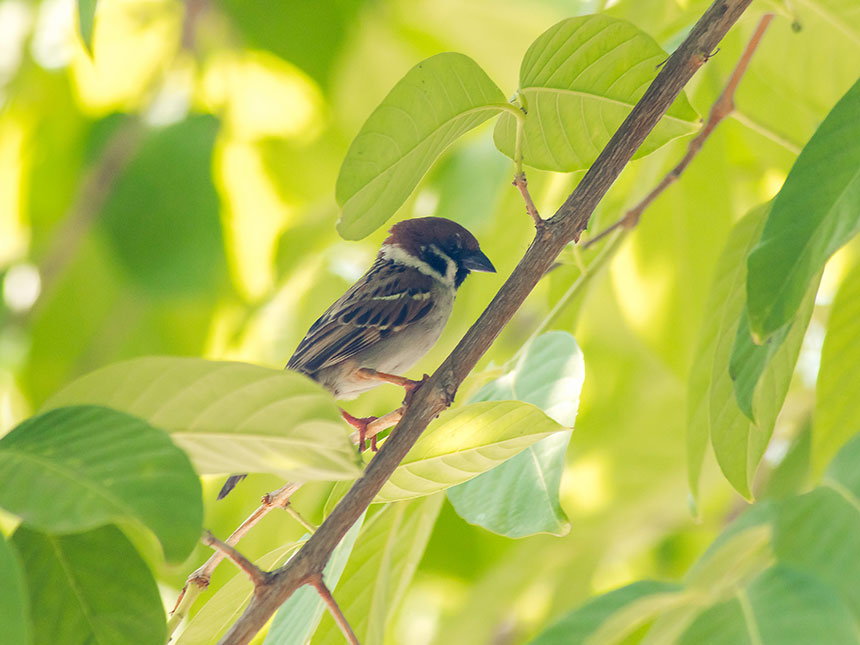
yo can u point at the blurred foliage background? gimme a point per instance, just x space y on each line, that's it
174 194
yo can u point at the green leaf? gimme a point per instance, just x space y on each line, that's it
90 587
76 468
162 216
780 607
813 215
820 532
466 442
520 496
380 569
298 617
437 101
226 605
748 361
229 417
14 601
713 409
837 404
579 81
86 20
581 623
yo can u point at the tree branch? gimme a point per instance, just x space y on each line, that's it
317 581
723 107
257 575
438 392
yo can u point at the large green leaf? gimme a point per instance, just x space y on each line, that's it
520 496
466 442
90 587
713 409
229 417
579 81
837 403
76 468
814 214
14 602
225 606
380 569
578 625
435 103
780 607
820 532
298 617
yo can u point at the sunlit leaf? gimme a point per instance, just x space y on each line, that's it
781 606
578 625
520 496
380 569
814 214
298 617
76 468
580 79
438 100
229 417
837 403
90 587
466 442
226 605
14 601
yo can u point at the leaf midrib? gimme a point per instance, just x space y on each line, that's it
68 473
73 584
599 97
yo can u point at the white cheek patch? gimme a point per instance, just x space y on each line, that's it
396 254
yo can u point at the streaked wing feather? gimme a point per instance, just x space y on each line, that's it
374 307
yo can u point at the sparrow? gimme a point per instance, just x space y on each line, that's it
392 315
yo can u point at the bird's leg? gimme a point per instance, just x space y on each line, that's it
406 383
360 424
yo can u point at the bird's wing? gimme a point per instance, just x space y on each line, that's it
385 300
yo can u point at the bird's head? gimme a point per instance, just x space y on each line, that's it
438 247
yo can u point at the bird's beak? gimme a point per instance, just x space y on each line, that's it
477 261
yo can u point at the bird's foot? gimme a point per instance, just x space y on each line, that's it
360 424
412 388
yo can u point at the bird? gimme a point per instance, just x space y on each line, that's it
391 316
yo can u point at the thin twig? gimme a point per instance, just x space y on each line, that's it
723 107
255 573
310 528
568 223
522 184
317 581
200 579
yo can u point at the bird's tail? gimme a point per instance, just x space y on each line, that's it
231 482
